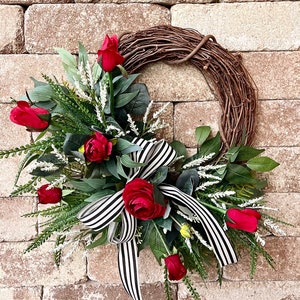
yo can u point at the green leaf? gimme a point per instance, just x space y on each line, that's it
73 142
212 145
112 168
96 72
100 241
120 169
157 245
88 185
99 195
128 162
202 133
237 174
66 57
160 175
82 55
158 196
187 181
179 148
121 83
247 152
164 223
262 164
125 146
232 153
140 103
125 98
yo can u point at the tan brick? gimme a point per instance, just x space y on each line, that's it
14 227
46 25
175 83
288 205
246 290
278 123
284 178
18 293
11 24
16 71
273 26
37 267
276 74
96 291
149 270
189 115
286 253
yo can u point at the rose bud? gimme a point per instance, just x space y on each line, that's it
175 267
97 148
139 200
47 196
30 117
109 54
243 219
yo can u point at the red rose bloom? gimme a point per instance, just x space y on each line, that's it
175 267
97 148
139 200
109 53
47 196
243 219
28 116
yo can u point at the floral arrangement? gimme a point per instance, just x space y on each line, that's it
95 155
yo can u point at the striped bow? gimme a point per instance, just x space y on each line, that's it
102 212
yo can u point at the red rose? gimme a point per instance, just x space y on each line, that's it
243 219
28 116
175 267
139 200
97 148
110 55
47 196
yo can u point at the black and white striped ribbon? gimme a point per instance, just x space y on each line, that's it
217 238
103 212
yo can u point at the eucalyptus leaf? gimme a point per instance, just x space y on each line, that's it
160 175
121 83
73 142
164 223
157 245
128 162
112 168
187 181
120 169
82 55
126 147
158 196
202 133
140 103
99 195
123 99
262 164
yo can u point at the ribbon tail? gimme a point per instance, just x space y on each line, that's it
128 268
219 241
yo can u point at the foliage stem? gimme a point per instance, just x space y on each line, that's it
111 92
162 239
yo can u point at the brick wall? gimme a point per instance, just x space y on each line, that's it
267 33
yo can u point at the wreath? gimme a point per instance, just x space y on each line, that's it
95 156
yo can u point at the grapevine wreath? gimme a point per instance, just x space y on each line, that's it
95 156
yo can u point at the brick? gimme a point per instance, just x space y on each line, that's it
288 205
11 24
149 270
284 178
169 83
96 291
286 253
246 290
46 25
283 115
16 71
276 74
237 27
37 267
24 293
278 123
29 2
14 227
